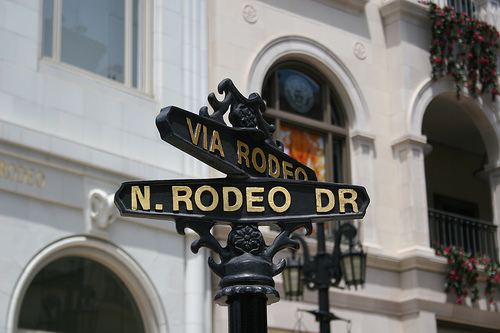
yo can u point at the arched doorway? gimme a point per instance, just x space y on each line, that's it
458 188
77 294
97 253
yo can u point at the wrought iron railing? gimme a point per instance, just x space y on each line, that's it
465 6
484 10
476 236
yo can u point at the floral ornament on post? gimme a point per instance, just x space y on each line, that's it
246 238
465 49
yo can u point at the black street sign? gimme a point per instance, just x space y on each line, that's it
236 151
260 201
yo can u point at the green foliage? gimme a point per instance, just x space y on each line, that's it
465 49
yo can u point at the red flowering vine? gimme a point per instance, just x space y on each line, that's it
492 270
463 274
465 49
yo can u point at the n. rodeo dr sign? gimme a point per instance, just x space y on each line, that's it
242 201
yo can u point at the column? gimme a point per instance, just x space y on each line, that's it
362 157
412 203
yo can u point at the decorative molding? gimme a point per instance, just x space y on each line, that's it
318 55
359 50
102 210
394 10
409 139
249 13
354 7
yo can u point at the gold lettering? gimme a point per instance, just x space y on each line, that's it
260 168
29 177
331 200
40 179
272 204
143 199
205 137
3 170
176 198
299 171
251 199
197 198
195 135
243 154
351 200
216 144
286 172
12 166
274 166
21 174
225 198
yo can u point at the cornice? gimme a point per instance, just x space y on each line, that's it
350 6
396 10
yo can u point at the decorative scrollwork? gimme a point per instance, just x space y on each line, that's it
246 260
245 113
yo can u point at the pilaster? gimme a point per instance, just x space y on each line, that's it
414 226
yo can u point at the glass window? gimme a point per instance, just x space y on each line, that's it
100 36
309 119
79 295
306 147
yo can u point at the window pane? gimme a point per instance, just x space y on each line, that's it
306 147
299 94
337 161
336 111
268 92
48 25
93 36
79 295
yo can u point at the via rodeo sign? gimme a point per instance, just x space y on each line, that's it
264 184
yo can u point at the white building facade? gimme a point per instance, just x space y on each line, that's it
81 83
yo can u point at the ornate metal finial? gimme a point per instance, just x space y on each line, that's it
245 113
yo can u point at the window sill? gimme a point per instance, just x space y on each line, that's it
87 79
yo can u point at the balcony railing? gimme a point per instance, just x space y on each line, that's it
484 10
476 236
465 6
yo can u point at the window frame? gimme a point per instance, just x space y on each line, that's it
324 127
143 40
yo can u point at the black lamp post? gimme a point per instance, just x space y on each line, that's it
325 270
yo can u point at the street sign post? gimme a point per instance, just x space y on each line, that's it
264 186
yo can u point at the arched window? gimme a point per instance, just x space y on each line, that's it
309 119
75 294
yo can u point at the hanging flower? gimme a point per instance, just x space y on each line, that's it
465 49
492 270
463 274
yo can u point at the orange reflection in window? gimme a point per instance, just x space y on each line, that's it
306 147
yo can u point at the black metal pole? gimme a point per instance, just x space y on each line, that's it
247 313
323 298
